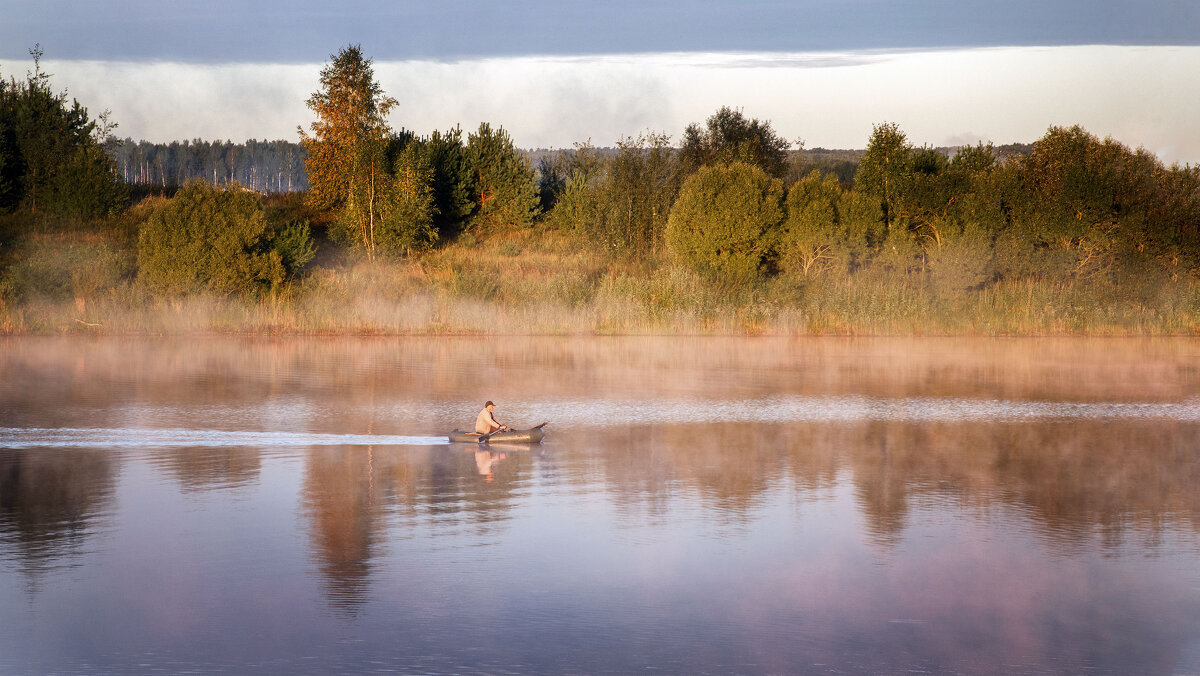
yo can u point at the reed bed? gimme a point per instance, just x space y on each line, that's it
542 282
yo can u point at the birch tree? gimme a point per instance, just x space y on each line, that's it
347 151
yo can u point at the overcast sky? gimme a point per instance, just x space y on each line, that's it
557 72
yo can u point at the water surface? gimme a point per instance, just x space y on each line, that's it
699 506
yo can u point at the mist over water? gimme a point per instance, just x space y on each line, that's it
585 414
700 505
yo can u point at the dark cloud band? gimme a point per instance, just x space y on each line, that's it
306 31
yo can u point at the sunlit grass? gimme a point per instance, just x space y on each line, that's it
542 281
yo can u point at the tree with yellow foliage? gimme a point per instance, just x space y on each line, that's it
347 161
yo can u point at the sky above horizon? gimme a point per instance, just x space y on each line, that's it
554 73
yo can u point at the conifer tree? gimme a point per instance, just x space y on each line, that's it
52 154
505 186
407 225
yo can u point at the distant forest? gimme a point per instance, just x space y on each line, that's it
263 166
278 166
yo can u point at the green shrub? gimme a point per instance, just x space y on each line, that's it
208 238
725 222
294 244
814 240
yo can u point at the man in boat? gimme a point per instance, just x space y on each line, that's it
485 422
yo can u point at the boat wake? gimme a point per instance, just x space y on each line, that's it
41 437
586 414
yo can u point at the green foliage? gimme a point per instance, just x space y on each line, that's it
976 159
391 209
725 222
350 155
407 220
643 180
570 182
451 181
961 259
620 203
886 168
729 137
505 186
208 238
552 176
814 238
294 244
52 154
579 205
1089 208
841 164
1176 241
1068 190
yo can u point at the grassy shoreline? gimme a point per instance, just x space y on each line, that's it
539 282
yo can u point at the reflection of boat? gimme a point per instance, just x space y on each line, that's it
529 436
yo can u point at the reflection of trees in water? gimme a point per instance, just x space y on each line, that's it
203 468
1125 479
1070 478
881 485
642 477
50 500
729 467
337 498
357 498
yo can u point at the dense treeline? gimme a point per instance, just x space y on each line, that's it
52 155
393 192
263 166
1072 207
729 229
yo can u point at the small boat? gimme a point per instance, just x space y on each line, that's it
533 435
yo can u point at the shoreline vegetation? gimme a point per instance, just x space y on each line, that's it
730 231
537 282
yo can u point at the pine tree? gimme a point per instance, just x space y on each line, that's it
51 153
505 187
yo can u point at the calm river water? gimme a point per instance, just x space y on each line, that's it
823 506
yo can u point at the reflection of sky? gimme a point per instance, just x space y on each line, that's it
220 580
232 532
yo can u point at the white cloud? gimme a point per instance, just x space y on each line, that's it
1142 96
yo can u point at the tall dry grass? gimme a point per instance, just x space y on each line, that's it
542 281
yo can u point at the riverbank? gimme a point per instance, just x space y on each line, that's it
540 282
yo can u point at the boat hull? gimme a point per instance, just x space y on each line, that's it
531 436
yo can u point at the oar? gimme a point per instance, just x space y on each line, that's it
484 438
